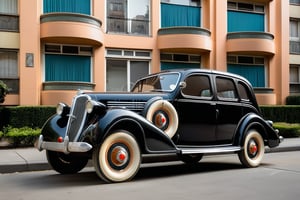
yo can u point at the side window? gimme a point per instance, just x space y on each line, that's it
226 89
243 91
198 85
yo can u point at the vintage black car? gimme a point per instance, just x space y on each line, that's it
187 113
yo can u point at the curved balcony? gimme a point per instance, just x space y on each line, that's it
265 96
259 43
184 39
67 85
60 91
71 28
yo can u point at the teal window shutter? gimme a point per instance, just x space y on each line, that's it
67 68
254 73
71 6
243 21
179 15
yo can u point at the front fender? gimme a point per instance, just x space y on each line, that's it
150 138
254 121
54 127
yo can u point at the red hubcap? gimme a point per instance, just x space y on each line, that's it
122 156
253 148
160 120
119 156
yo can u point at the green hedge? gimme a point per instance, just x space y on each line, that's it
20 137
293 100
288 130
25 116
288 113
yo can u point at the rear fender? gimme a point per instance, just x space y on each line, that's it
253 121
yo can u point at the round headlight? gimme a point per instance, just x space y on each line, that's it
62 109
94 106
89 106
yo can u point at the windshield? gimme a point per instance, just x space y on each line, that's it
157 83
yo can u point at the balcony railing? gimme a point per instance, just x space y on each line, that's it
128 26
67 85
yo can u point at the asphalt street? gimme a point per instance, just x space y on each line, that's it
30 159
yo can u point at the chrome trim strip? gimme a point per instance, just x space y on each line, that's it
136 106
209 150
65 147
70 124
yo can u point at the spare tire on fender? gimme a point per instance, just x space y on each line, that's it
163 115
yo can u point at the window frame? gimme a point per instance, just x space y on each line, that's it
255 10
12 81
129 56
60 49
13 15
119 19
255 61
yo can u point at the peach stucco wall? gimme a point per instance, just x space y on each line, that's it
33 34
30 77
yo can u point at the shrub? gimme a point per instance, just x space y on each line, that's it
287 130
24 136
289 113
293 100
21 116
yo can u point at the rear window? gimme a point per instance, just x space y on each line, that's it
226 89
243 91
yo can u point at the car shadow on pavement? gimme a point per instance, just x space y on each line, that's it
179 168
88 177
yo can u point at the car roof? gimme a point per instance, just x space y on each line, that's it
206 71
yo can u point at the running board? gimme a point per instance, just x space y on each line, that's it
209 150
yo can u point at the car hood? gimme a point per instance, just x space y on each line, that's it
130 97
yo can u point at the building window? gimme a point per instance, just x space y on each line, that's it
294 36
71 6
67 63
177 61
180 13
295 2
294 78
129 17
125 67
9 72
9 19
245 17
252 68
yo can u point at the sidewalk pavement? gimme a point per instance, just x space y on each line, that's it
30 159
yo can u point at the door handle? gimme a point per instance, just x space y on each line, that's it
217 113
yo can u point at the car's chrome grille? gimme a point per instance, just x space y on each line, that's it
130 105
77 117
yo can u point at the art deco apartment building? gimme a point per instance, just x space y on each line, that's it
51 48
294 47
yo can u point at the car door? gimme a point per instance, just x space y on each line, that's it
196 111
229 109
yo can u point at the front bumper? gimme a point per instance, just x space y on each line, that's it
66 146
